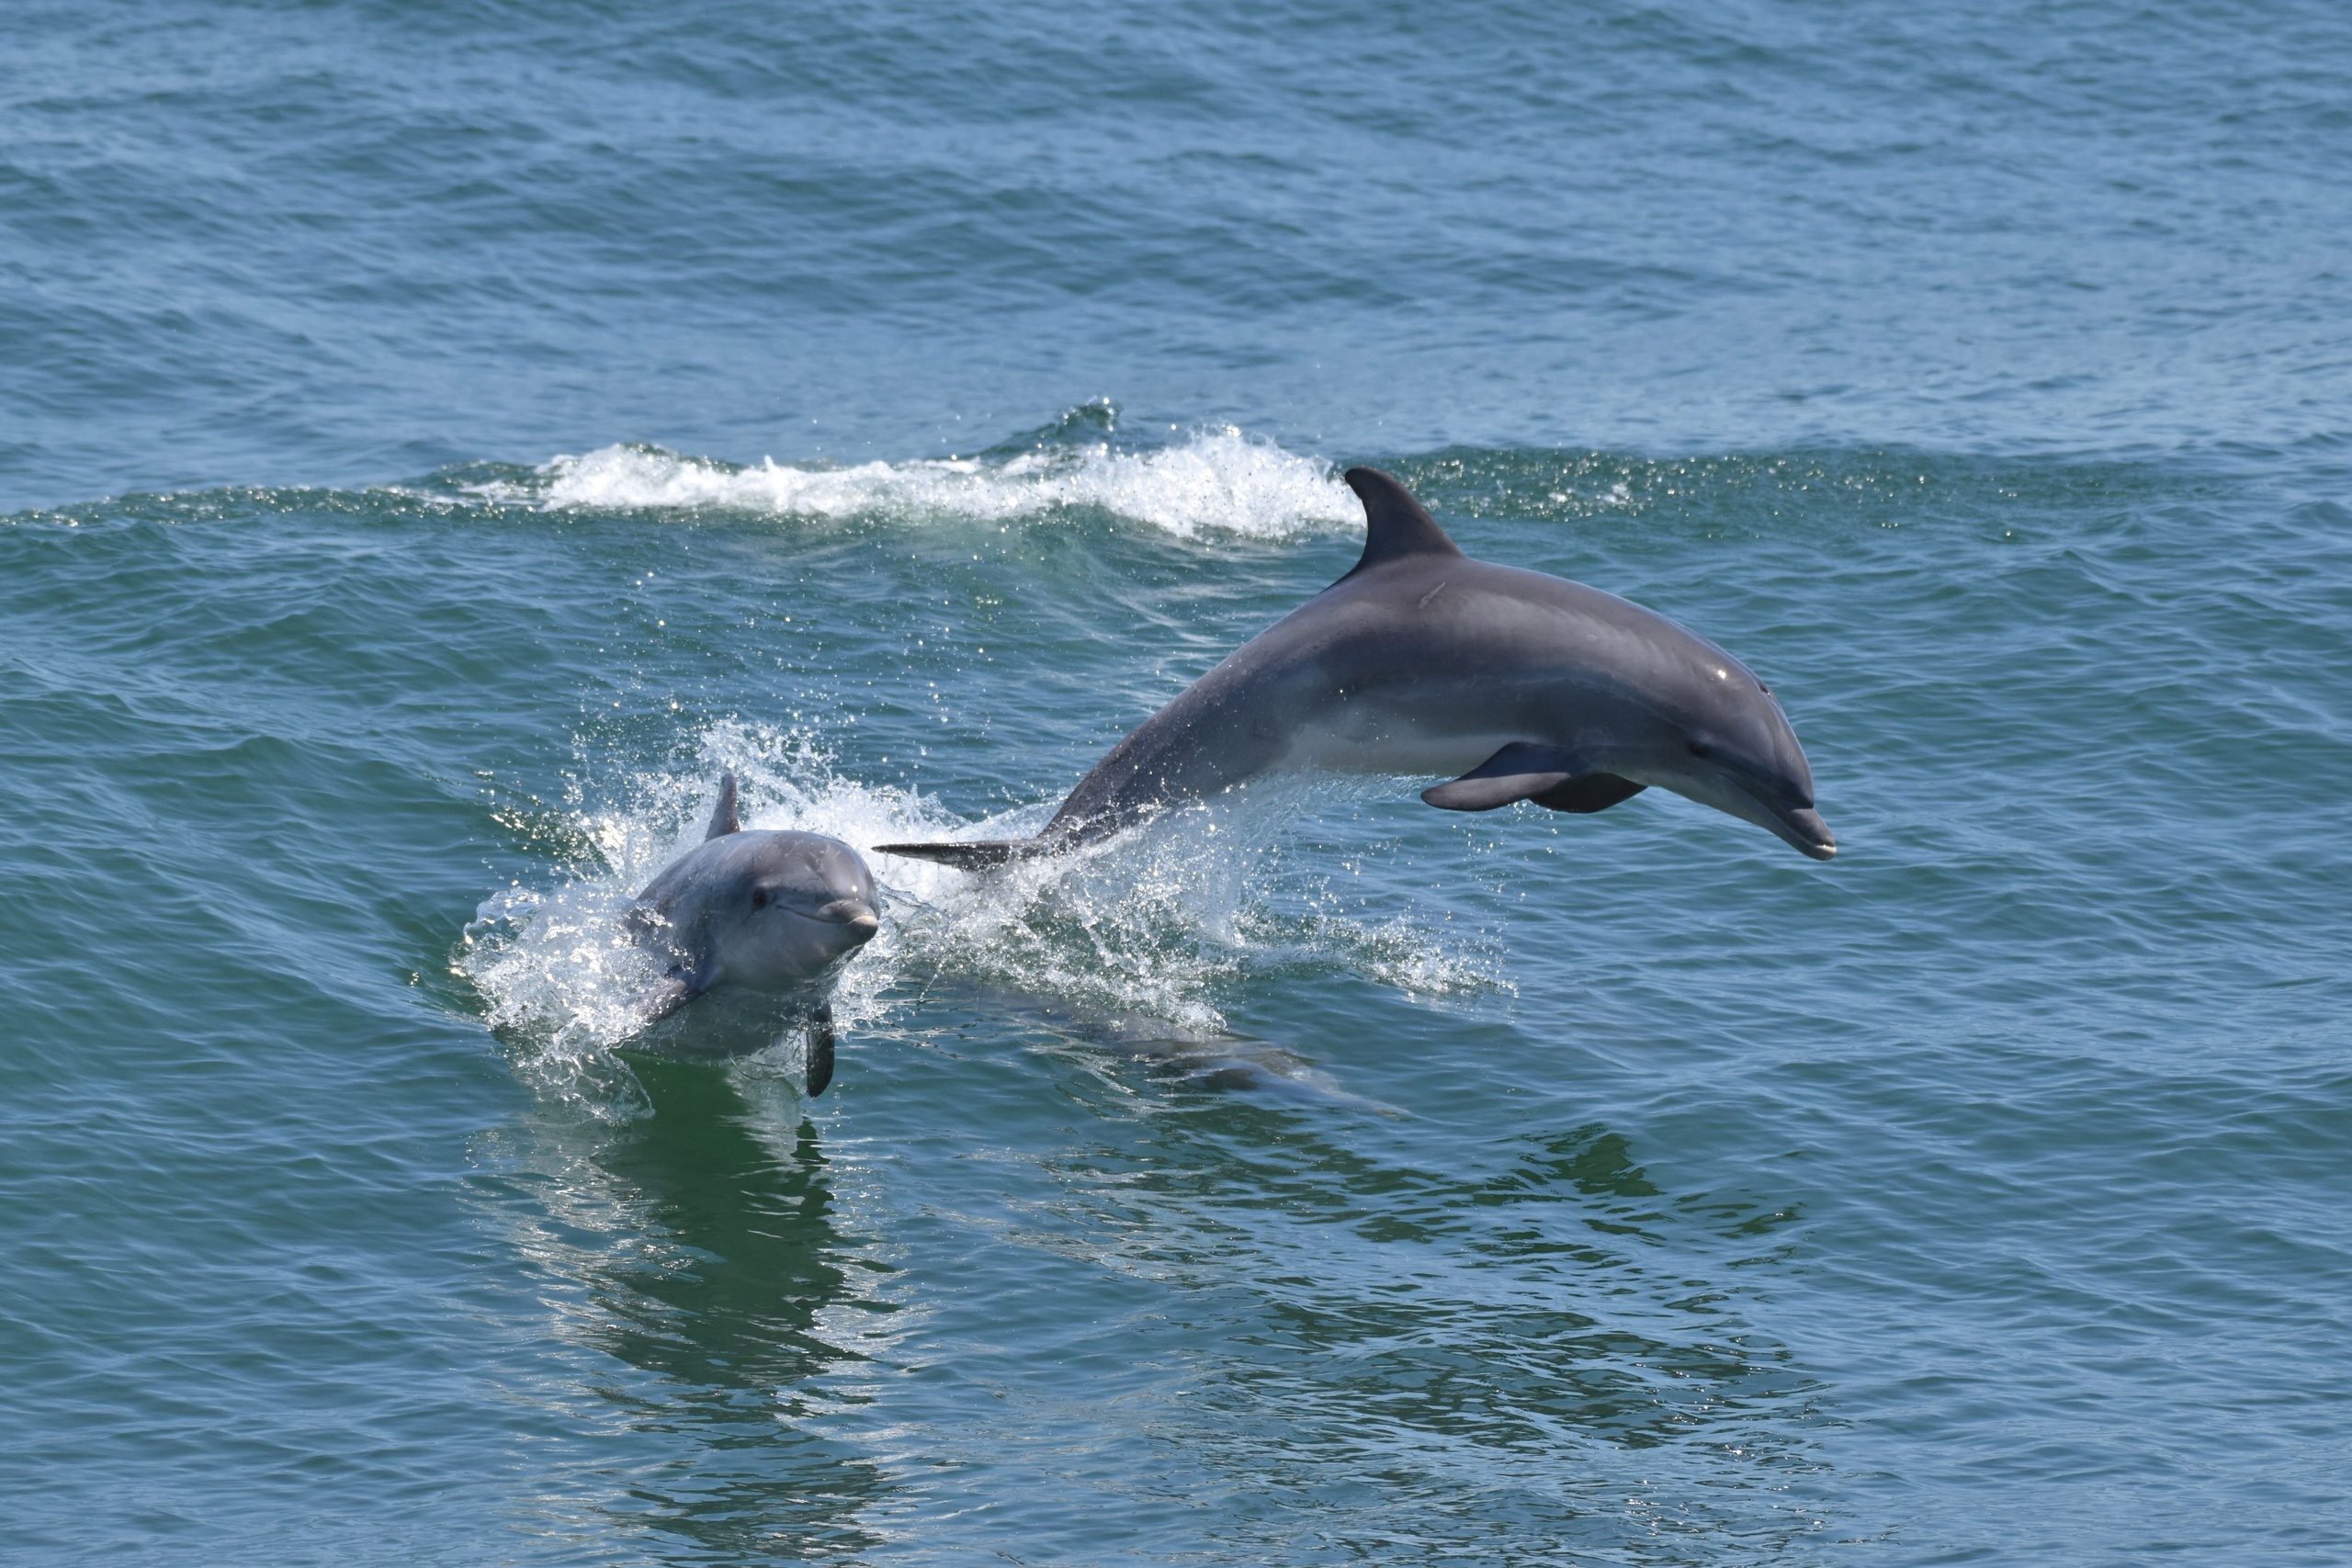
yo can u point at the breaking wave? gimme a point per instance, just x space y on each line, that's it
1211 482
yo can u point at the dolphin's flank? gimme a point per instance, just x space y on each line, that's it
1421 659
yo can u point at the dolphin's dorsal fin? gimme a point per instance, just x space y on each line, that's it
1395 524
723 818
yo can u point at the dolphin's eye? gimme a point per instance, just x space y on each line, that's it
1700 750
760 900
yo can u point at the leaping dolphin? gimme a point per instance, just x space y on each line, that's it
770 917
1423 660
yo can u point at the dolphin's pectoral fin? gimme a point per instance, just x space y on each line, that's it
1593 792
724 817
681 986
1473 794
820 1049
674 993
1554 779
1518 771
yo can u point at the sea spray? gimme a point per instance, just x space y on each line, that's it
1152 924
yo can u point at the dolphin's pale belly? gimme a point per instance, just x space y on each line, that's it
1373 742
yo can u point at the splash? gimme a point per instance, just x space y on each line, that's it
1215 481
1150 925
558 980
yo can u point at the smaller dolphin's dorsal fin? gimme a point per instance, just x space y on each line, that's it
1395 524
723 818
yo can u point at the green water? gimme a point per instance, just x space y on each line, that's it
438 441
1372 1182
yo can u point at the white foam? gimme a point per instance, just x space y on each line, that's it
1213 481
1153 923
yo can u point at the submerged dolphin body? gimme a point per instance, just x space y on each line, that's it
1423 660
767 918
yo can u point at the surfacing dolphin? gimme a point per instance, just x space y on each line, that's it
766 918
1423 660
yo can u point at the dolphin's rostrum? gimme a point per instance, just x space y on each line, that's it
765 917
1423 660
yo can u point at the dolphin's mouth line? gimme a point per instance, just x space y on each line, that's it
1821 848
862 916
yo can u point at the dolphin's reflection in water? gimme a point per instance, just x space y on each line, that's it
1214 1060
702 1243
1229 1321
1551 1361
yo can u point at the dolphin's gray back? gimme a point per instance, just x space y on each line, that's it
701 871
1398 651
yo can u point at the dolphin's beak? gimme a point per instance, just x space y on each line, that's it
855 914
1808 832
1800 826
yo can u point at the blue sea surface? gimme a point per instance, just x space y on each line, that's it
439 440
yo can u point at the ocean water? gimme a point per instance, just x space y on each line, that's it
437 441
